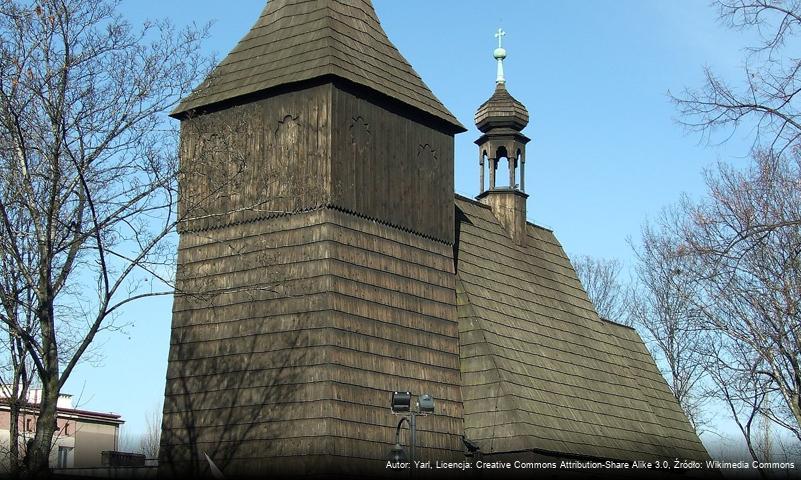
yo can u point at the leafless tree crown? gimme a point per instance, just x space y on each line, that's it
601 280
88 168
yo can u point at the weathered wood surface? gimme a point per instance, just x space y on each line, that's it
298 40
540 370
256 161
294 331
317 146
390 167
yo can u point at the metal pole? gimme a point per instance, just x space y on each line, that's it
413 428
397 430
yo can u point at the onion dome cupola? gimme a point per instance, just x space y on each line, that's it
501 120
502 110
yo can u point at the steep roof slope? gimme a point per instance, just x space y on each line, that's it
296 40
540 370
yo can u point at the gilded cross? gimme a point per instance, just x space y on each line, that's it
500 36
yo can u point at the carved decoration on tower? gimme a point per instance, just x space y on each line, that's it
283 175
360 134
427 160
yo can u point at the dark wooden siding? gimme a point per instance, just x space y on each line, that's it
316 146
540 370
394 304
291 334
257 160
389 167
246 376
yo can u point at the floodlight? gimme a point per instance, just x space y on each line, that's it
426 404
401 402
397 455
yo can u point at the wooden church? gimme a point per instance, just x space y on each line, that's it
325 262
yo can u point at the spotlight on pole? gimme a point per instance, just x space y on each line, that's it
426 404
398 454
401 402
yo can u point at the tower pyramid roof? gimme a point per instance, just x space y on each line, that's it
297 40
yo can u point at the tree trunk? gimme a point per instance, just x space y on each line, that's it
13 438
38 457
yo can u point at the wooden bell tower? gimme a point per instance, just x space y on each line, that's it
316 253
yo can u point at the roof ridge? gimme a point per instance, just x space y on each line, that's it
617 324
483 331
475 202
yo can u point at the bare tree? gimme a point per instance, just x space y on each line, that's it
767 98
17 372
721 303
662 308
750 284
765 439
88 170
601 280
151 438
742 242
766 102
732 381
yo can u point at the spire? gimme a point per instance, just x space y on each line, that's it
299 40
500 55
501 110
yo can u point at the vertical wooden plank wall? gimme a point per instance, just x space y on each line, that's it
257 160
389 167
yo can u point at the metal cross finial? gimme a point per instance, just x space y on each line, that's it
500 36
500 55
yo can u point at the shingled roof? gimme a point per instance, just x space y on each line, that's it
297 40
501 110
540 370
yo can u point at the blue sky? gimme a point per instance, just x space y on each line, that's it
606 152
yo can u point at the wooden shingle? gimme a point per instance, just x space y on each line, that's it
298 40
540 370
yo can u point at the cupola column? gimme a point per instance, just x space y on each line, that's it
481 167
493 166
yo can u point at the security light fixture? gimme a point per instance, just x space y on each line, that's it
398 454
426 404
401 402
402 405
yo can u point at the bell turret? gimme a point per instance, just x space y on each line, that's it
501 119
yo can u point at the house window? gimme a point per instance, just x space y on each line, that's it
28 425
64 454
66 429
